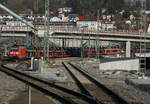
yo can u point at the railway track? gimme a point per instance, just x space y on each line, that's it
62 94
94 93
96 90
36 85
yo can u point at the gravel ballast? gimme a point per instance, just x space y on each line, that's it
9 88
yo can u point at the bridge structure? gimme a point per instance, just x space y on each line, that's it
74 33
15 31
84 34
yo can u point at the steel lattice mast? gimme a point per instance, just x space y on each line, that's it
142 33
46 30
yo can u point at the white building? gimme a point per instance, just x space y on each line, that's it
94 25
55 19
16 23
67 9
91 25
107 25
7 17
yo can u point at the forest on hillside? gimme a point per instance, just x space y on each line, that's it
81 7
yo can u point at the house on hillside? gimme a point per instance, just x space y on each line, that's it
95 25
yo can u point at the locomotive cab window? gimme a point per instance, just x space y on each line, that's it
14 49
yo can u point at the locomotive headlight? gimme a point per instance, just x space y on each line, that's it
16 52
11 52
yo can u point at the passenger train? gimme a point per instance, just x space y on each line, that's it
61 52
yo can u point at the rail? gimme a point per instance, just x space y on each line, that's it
13 73
115 96
81 96
80 85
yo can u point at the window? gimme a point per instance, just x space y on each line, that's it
14 49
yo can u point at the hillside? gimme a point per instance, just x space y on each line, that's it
21 6
82 7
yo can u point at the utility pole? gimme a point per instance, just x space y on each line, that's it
142 32
30 92
36 6
82 44
98 21
97 40
46 30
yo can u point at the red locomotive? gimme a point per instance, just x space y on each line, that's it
17 51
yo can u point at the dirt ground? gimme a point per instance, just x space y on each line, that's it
116 82
36 98
13 91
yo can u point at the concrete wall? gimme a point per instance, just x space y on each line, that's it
128 64
142 54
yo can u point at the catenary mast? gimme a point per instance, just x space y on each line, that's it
46 30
